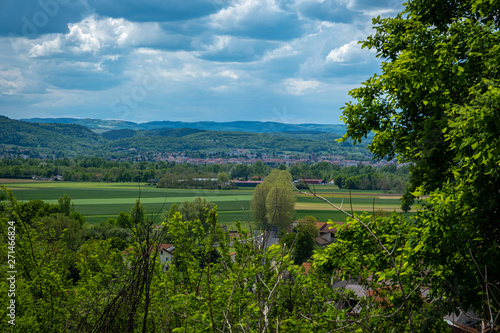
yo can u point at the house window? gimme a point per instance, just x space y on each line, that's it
161 252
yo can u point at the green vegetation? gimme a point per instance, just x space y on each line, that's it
435 105
111 278
71 140
273 201
101 201
59 140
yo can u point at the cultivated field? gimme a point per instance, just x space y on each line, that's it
100 201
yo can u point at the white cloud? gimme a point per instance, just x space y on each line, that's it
299 86
245 11
10 81
281 52
47 48
229 73
294 53
95 35
345 53
259 19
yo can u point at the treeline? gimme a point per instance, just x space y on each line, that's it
172 175
358 177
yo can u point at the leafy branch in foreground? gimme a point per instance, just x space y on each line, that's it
436 106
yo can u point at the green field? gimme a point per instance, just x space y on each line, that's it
356 200
100 201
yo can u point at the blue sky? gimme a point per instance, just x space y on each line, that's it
290 61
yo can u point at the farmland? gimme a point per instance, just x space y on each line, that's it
100 201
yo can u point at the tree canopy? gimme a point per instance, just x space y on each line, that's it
436 106
273 201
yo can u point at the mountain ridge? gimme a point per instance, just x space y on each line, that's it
234 126
66 139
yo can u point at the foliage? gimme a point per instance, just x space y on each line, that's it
273 201
435 106
384 254
48 137
196 210
70 140
138 213
205 288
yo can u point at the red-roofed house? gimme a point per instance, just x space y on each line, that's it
326 231
313 181
166 252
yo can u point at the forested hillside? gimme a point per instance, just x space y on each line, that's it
63 139
69 140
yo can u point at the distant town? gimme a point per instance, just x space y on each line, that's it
237 156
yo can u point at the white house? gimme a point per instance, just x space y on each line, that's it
166 252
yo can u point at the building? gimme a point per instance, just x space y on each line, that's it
166 252
246 183
313 181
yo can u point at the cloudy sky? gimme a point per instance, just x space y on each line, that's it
289 61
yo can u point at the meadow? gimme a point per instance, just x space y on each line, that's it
100 201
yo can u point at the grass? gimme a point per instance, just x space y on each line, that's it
100 201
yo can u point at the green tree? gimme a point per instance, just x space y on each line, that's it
61 227
259 168
301 240
240 171
124 221
273 201
223 178
436 106
196 210
309 223
65 204
174 208
280 205
304 245
138 213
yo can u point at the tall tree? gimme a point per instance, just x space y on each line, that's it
138 212
273 201
196 210
436 105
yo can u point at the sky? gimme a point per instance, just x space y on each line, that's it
289 61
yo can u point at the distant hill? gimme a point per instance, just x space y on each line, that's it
211 142
88 122
66 139
119 134
55 137
234 126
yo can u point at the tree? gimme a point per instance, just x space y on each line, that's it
273 201
280 205
240 171
309 223
223 178
436 106
65 204
61 227
304 246
259 168
196 210
438 58
138 213
124 221
301 240
174 208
